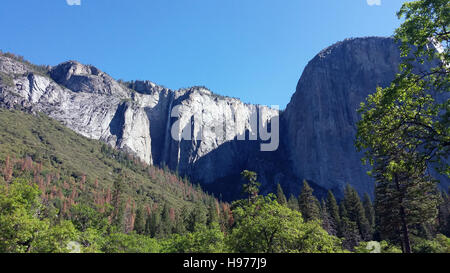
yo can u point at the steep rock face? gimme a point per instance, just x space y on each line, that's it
133 133
216 125
321 117
317 129
137 117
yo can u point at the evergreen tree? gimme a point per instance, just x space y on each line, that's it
198 216
369 211
182 220
179 225
349 229
153 225
356 213
404 128
404 202
342 210
307 203
293 203
350 233
213 216
118 217
281 198
444 215
251 188
333 211
326 219
139 222
166 222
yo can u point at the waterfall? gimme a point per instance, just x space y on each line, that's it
167 138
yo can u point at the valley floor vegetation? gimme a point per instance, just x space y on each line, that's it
36 216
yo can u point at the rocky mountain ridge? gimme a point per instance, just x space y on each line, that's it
317 129
137 117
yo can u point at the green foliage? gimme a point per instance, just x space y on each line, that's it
350 233
251 188
372 247
356 213
203 240
293 203
405 126
153 225
80 198
139 223
19 224
369 213
130 243
55 239
333 211
85 217
213 216
197 216
92 240
441 244
444 215
265 226
432 18
281 198
315 239
118 204
70 156
326 219
308 204
21 229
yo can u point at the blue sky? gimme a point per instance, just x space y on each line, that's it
251 49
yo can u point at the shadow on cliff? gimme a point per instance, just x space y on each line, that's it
227 161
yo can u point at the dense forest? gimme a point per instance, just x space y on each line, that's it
88 197
61 192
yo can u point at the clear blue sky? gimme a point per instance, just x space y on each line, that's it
251 49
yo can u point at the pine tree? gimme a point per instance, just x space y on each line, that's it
444 215
369 212
350 234
307 203
198 216
349 229
139 222
153 225
182 220
333 211
251 188
281 198
118 217
179 226
326 219
213 216
404 202
293 203
166 221
356 213
404 127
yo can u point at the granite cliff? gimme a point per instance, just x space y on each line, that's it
317 128
137 117
321 117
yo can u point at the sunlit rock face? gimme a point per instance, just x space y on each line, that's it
316 136
138 118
